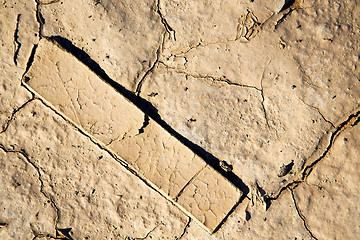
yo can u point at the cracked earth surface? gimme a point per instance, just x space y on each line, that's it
165 119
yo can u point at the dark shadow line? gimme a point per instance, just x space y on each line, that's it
17 44
148 110
288 4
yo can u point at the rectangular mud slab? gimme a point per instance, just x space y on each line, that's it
109 117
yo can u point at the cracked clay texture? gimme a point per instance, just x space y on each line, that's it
168 119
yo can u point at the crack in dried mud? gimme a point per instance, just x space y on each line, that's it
41 21
302 216
351 121
318 110
185 229
23 153
152 67
31 59
17 44
167 27
200 44
289 7
263 97
285 12
212 78
151 112
189 182
118 138
227 81
242 197
236 39
147 235
145 124
39 18
6 125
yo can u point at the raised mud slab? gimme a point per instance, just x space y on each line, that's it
145 147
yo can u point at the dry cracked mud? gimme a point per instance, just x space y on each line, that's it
162 119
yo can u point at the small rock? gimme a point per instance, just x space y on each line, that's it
225 166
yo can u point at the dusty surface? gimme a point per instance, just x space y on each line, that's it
179 119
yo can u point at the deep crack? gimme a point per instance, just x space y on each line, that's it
17 44
39 18
30 60
167 27
351 121
145 124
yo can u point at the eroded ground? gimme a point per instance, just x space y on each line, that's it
179 119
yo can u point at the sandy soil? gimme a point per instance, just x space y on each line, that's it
168 119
